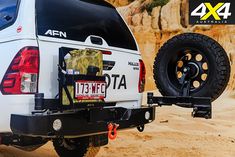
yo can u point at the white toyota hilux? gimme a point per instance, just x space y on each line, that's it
44 97
71 73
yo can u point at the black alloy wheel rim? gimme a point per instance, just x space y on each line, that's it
189 64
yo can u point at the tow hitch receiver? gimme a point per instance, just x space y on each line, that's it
201 105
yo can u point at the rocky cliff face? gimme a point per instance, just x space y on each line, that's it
152 29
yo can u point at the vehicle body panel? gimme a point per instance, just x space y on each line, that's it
23 33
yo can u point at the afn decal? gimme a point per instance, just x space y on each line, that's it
56 33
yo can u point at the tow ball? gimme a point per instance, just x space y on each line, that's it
112 131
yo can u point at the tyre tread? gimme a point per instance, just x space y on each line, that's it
223 70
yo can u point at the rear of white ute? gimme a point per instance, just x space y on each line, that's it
19 60
41 97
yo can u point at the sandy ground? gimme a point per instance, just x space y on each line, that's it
173 134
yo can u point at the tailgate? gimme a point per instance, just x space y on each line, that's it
120 68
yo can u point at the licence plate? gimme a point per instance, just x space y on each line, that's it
87 90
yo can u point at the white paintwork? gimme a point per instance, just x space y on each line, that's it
11 42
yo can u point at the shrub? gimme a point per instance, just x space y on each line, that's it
155 3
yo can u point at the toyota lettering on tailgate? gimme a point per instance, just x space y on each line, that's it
116 81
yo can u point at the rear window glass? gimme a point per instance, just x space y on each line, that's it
8 11
78 19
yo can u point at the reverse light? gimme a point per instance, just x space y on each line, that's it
141 85
147 115
57 125
21 76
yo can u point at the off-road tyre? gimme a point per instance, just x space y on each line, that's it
79 148
217 61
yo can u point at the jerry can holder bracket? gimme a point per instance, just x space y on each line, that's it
64 79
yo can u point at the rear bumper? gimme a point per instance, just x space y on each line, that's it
81 123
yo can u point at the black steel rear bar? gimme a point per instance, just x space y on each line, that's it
82 122
201 105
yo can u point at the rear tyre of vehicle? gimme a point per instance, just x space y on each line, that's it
78 147
205 61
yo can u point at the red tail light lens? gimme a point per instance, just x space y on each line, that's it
22 75
142 76
107 52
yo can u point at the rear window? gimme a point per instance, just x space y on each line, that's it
78 19
8 12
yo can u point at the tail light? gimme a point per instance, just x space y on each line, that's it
22 74
106 52
142 76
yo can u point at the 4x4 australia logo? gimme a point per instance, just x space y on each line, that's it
211 12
